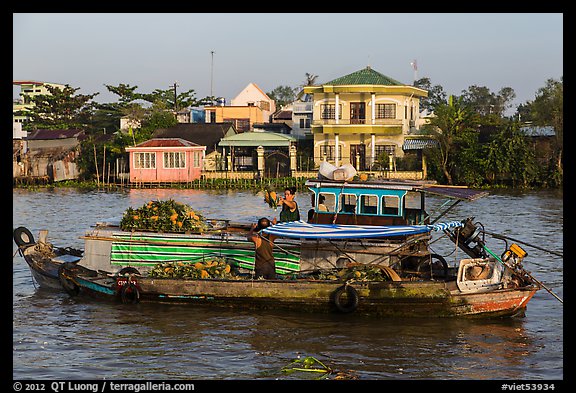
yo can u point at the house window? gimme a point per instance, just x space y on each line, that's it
305 123
174 159
387 150
145 160
385 111
196 159
327 151
328 111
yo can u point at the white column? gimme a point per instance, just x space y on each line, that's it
373 103
336 150
337 111
260 151
373 144
293 167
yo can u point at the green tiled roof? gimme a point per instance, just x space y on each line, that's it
366 76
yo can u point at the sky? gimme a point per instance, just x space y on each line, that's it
221 53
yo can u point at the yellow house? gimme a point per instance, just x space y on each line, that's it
361 116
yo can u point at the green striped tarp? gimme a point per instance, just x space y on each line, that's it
142 249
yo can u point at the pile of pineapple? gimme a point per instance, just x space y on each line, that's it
213 268
271 198
356 272
163 216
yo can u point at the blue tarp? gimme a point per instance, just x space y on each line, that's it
304 230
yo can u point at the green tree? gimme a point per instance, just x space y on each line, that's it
158 116
309 81
60 109
547 109
282 95
451 121
486 103
185 99
509 157
436 94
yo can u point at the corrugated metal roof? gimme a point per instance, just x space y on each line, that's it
538 131
54 134
166 142
366 76
266 139
419 143
203 134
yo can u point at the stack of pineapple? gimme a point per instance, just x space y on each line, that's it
214 268
163 216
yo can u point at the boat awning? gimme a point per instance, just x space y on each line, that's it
305 230
462 193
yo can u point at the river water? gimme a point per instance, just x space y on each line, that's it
57 337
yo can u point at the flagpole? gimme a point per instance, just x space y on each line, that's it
414 65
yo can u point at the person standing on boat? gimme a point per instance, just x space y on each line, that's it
290 210
264 265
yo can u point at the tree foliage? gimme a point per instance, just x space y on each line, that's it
449 125
61 109
283 95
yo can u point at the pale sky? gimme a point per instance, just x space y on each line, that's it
155 50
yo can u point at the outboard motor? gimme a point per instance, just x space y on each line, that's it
469 238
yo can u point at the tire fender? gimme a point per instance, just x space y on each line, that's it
351 302
129 293
23 237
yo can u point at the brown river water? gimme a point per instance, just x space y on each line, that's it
56 337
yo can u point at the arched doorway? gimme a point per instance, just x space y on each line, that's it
276 164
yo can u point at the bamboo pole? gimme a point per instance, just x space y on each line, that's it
96 165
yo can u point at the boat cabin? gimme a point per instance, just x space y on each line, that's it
378 202
367 203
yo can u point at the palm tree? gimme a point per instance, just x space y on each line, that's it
450 122
310 81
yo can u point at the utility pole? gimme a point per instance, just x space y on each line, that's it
212 78
175 105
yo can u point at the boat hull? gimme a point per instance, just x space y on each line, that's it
385 299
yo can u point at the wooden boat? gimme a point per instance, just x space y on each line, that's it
368 225
404 298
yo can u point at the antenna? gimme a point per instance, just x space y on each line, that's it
212 78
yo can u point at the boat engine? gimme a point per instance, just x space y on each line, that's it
514 255
470 238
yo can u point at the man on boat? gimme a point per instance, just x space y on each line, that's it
264 265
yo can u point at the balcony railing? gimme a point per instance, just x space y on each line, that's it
346 122
300 107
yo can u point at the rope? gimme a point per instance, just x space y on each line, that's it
500 236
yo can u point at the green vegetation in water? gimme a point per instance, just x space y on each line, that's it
310 364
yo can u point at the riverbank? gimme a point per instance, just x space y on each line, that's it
202 184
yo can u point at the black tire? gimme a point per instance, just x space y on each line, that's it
424 266
69 286
346 299
23 237
128 270
129 293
